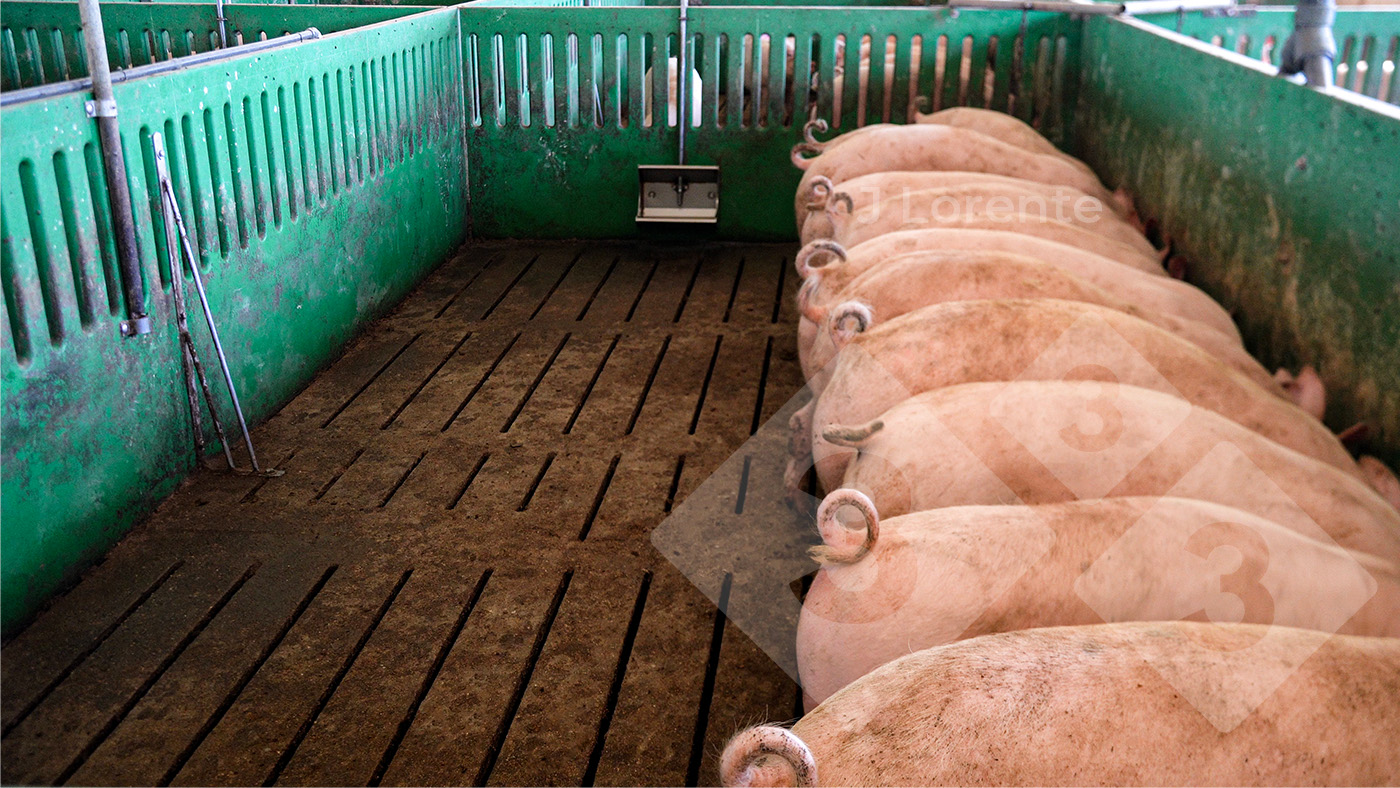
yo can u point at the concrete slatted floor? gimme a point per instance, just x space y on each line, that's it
453 582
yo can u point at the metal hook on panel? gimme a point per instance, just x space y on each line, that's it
1311 49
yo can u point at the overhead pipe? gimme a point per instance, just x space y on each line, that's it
165 66
103 109
683 84
1311 49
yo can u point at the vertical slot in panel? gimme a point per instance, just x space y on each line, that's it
590 97
1021 88
33 59
734 82
807 48
1266 53
714 75
499 91
200 200
43 259
276 185
1057 87
235 168
1390 86
553 82
651 67
329 104
975 55
302 135
1001 50
58 62
10 78
622 88
254 168
472 75
291 157
763 80
106 242
778 81
525 79
748 80
570 59
79 252
219 183
178 162
15 311
901 81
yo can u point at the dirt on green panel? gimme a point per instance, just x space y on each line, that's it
1282 201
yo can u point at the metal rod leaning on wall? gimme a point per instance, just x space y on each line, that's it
683 83
195 379
103 109
151 69
172 205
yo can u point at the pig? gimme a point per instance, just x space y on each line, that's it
825 197
934 146
1107 704
1381 478
1049 441
967 341
1306 388
998 125
925 278
872 205
834 267
932 577
972 207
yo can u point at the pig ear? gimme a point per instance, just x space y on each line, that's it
837 549
819 193
817 126
807 257
747 759
847 320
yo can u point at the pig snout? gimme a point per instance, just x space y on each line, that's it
839 547
767 755
806 260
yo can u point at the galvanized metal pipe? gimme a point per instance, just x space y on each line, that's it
103 109
1311 50
683 83
1088 8
151 69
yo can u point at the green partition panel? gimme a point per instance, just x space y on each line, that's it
319 184
561 111
41 41
1283 199
1367 40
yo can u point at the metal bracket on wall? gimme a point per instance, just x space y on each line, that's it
682 194
1311 49
101 109
693 189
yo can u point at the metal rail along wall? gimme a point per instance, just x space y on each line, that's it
320 182
1283 200
41 41
1368 42
562 105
